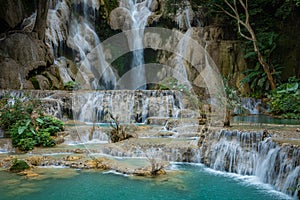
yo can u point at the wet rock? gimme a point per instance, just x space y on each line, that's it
10 76
13 12
154 5
59 140
72 158
35 160
19 165
119 19
28 174
147 172
96 164
79 151
21 57
165 134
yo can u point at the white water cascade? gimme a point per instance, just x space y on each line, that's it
253 153
252 105
75 29
139 11
130 106
180 72
183 20
183 16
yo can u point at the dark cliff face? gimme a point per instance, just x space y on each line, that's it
25 61
288 50
13 12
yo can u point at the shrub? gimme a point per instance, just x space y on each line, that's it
285 100
28 126
71 85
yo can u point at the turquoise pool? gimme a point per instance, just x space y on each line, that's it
187 182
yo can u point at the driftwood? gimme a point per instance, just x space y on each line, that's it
118 132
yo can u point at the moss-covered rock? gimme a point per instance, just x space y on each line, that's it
18 165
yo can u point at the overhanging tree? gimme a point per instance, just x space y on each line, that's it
238 10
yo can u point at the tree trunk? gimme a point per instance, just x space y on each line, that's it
41 18
227 118
261 60
245 22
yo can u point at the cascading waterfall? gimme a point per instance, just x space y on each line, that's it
55 103
183 20
78 33
129 106
183 16
250 153
57 25
95 106
179 70
251 105
139 11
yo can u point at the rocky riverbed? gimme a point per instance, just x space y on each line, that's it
150 142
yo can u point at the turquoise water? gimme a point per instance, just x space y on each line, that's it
191 182
264 119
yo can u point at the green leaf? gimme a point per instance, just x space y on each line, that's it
249 54
39 120
21 129
32 130
261 81
293 87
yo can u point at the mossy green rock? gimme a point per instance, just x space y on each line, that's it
18 166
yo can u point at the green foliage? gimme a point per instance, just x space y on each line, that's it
170 83
13 110
19 165
35 83
258 80
233 100
285 100
71 85
27 126
110 5
296 2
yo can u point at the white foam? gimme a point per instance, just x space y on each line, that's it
115 172
248 180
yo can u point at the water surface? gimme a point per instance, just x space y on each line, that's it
189 182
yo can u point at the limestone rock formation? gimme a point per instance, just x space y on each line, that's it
13 12
119 19
25 58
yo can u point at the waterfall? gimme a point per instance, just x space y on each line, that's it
57 21
251 105
73 26
180 70
130 106
55 103
139 11
183 18
251 153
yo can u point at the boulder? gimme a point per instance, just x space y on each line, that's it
28 174
10 74
22 57
119 19
35 160
27 51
